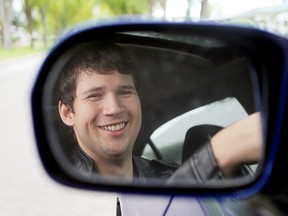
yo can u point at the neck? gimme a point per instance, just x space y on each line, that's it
116 168
121 167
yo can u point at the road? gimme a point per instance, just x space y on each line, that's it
25 188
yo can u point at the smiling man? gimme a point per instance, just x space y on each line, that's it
103 108
106 118
99 100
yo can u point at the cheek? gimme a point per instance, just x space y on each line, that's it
136 110
86 113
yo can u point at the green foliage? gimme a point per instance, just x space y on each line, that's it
64 13
126 7
56 14
46 19
81 10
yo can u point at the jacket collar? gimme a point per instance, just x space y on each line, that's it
85 164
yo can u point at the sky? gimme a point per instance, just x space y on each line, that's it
233 7
222 8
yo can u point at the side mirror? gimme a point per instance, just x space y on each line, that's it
139 106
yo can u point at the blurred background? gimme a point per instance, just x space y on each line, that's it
28 29
30 25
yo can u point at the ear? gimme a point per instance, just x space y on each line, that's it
66 114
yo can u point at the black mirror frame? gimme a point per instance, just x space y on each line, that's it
269 54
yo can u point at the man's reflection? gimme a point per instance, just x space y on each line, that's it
99 100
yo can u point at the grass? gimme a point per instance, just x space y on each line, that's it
18 52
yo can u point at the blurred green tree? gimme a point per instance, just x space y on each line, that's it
127 7
28 6
6 22
64 13
52 17
49 17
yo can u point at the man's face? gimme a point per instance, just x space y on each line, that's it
107 115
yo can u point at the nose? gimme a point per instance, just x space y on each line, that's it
112 105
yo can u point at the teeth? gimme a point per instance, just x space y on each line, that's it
114 127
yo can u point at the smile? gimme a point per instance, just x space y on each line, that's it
115 127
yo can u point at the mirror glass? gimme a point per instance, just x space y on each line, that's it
155 108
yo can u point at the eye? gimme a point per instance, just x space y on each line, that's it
95 96
127 92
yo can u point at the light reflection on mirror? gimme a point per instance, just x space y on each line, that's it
155 109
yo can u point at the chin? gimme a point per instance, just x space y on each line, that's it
118 153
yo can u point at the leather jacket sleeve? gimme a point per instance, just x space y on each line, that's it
201 167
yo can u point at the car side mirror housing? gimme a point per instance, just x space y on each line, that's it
176 87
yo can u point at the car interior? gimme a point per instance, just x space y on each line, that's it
183 72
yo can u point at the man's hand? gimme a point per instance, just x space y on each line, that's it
238 144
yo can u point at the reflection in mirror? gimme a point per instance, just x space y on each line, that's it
156 108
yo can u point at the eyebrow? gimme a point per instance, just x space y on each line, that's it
96 89
128 87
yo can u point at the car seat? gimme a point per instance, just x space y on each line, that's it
196 137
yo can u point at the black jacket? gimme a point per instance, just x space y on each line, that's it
200 167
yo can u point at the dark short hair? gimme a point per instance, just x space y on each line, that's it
94 58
